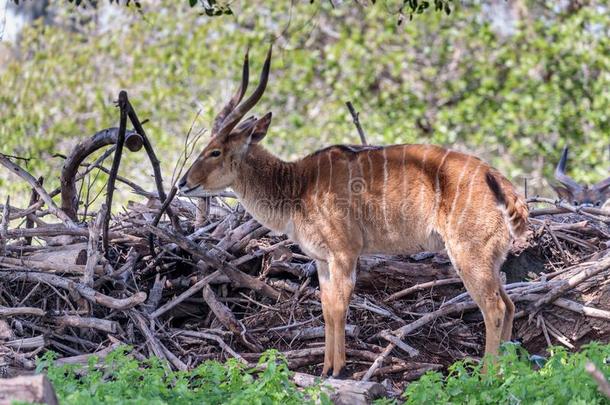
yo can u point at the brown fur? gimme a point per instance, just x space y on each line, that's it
344 201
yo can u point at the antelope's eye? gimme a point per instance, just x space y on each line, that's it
575 202
214 153
598 203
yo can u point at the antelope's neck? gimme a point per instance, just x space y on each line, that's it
269 188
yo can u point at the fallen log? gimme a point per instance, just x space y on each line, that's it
33 389
88 293
343 392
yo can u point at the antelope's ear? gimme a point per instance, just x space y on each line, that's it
259 130
563 193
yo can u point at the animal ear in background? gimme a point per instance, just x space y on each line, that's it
563 193
260 129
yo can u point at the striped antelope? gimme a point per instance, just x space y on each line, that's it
344 201
598 195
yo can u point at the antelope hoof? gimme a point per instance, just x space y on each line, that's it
326 372
341 374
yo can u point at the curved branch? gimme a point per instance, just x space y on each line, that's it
69 201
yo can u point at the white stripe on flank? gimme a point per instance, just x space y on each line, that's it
349 184
368 157
330 172
384 194
458 189
317 183
404 172
437 184
472 179
423 167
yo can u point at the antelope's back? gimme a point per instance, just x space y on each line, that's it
409 198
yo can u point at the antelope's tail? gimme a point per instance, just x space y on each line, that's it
514 207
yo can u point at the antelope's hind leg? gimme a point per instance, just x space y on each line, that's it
507 326
326 298
479 270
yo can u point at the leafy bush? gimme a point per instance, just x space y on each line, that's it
513 94
124 380
514 380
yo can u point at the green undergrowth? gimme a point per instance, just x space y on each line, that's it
517 378
125 380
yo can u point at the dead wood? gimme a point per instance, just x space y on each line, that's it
209 255
356 118
154 161
33 389
47 266
69 200
344 392
60 256
21 311
86 292
116 162
19 171
93 252
230 286
229 321
4 225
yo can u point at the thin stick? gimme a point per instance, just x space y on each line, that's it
164 207
154 161
120 141
86 292
53 209
544 331
422 286
356 118
6 212
188 293
590 212
403 331
93 253
587 272
29 222
217 339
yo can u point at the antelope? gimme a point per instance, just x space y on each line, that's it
597 195
344 201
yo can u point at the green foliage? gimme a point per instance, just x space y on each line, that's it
515 380
124 380
513 94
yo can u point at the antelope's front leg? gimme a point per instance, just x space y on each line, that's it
342 269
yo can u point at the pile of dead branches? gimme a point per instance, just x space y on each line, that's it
188 282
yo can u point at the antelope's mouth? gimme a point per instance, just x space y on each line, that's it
196 191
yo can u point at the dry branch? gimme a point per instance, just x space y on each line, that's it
154 161
82 322
208 255
93 252
356 118
19 171
229 321
47 266
69 199
116 162
86 292
32 389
